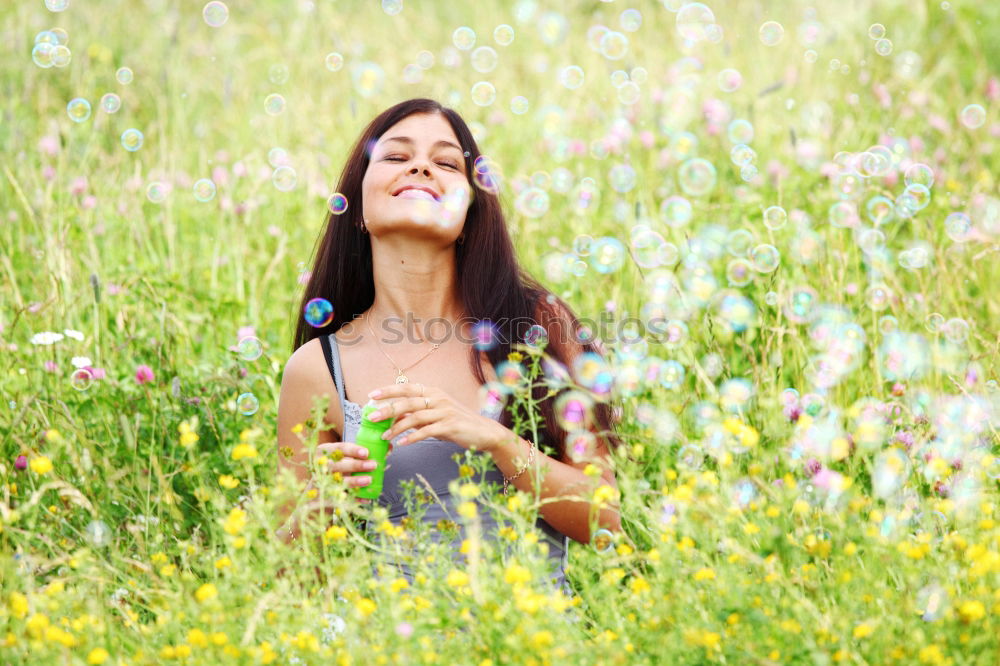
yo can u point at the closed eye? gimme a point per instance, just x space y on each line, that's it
397 158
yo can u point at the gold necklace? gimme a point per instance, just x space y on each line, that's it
400 377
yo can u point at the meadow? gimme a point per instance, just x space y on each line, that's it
781 218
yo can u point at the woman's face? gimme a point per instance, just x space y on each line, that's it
413 166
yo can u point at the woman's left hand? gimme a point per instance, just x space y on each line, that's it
433 413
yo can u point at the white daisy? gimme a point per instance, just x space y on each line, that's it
46 338
76 335
81 362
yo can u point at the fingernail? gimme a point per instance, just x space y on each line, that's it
371 464
385 435
365 480
374 394
363 453
375 416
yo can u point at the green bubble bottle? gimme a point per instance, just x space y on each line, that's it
370 437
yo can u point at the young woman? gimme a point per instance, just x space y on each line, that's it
409 249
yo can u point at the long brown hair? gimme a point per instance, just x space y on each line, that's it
491 283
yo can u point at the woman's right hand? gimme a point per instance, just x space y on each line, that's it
352 458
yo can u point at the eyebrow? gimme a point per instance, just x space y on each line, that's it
408 140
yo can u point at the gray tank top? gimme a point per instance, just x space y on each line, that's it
432 459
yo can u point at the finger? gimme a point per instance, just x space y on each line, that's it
429 430
351 465
346 448
415 420
358 481
398 408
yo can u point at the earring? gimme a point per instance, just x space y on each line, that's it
364 226
461 238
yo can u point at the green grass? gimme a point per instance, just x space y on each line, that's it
792 572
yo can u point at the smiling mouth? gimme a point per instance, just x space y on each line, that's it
416 194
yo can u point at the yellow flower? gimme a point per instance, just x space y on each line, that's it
704 574
228 482
542 639
18 605
223 562
515 573
467 509
592 470
457 578
335 533
639 585
206 592
971 610
515 357
605 493
399 584
235 522
41 465
750 528
863 630
365 606
241 451
197 638
297 428
97 656
168 570
187 431
468 490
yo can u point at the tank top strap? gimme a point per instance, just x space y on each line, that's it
332 354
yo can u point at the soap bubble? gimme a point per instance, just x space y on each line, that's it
61 55
533 202
614 45
132 140
392 7
730 80
247 404
771 32
215 14
607 254
97 533
111 103
78 110
973 116
958 227
876 31
695 22
249 348
484 335
571 77
483 59
536 336
503 34
676 211
519 105
41 54
580 445
81 379
334 61
775 217
463 38
274 104
604 541
368 78
483 93
765 258
56 5
204 190
157 192
574 410
883 47
696 176
284 178
318 312
124 75
337 203
630 20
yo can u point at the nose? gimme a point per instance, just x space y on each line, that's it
420 167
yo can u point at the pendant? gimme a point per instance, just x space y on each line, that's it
401 379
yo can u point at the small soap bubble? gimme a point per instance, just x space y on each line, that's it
337 203
536 336
932 602
111 103
532 202
97 533
274 104
771 33
958 226
878 297
629 93
696 22
463 38
883 47
571 77
919 174
876 31
247 404
57 5
676 211
483 93
78 110
61 55
156 192
41 54
318 312
630 20
574 410
973 116
765 258
503 34
215 14
519 105
204 190
284 178
483 59
81 379
392 7
696 176
775 217
249 348
614 45
334 61
132 140
368 78
124 75
484 335
730 80
604 541
622 178
607 255
491 399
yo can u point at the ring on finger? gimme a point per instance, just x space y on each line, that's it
421 390
427 403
